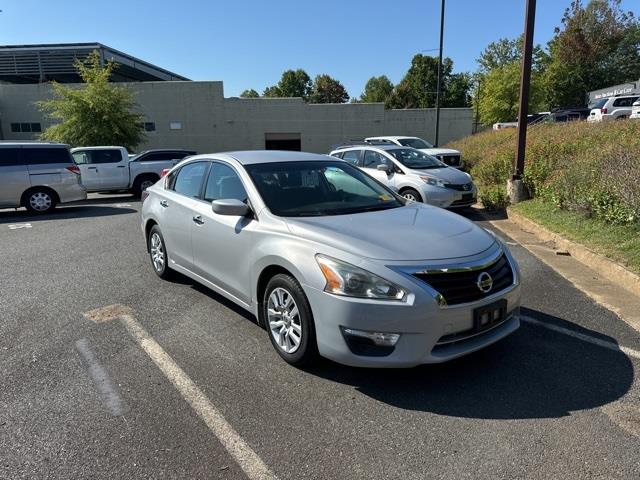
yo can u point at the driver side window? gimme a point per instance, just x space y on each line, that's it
224 183
373 159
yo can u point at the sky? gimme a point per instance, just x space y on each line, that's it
248 44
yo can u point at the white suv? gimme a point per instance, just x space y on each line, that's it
612 108
635 109
446 155
412 173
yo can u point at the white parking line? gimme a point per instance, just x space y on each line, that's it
585 338
16 226
108 392
249 461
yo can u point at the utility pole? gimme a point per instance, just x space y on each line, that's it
439 87
515 186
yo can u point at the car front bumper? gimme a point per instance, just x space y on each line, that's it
428 333
449 198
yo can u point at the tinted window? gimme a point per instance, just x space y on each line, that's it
104 156
373 159
352 156
189 179
601 103
302 189
624 102
10 156
224 182
41 156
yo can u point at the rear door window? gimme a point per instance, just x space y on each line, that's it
104 156
10 157
46 156
188 182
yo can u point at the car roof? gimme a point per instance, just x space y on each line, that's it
250 157
385 147
391 137
100 147
34 143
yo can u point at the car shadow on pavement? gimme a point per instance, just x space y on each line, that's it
63 213
482 214
534 373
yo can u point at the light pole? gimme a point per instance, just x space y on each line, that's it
439 87
515 186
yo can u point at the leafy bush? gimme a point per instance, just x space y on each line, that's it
593 169
494 198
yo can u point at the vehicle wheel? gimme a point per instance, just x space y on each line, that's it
622 117
158 253
40 201
142 183
411 195
289 321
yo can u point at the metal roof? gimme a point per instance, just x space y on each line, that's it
46 62
250 157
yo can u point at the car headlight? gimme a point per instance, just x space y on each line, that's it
433 181
346 279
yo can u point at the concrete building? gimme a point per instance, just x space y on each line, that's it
631 88
196 115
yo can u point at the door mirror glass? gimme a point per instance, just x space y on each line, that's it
230 206
384 168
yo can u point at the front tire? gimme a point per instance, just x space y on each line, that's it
40 201
411 195
158 253
142 183
289 321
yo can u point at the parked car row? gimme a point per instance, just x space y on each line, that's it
332 262
613 108
40 175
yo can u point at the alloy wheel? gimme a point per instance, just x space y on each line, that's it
40 201
157 252
145 184
284 320
410 196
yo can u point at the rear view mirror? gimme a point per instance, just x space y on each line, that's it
230 206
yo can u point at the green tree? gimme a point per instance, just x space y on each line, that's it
326 89
508 50
457 90
418 87
98 113
500 93
293 83
596 46
377 89
250 93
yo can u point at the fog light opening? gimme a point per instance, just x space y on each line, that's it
380 339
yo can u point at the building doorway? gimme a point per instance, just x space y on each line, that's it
283 141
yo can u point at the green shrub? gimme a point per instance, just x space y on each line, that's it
593 169
494 198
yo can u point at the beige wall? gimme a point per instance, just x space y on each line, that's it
211 122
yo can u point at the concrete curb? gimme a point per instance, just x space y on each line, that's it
609 269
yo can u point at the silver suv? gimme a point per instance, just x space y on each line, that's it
417 176
330 261
38 176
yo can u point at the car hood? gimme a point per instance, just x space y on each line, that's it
448 174
439 151
414 232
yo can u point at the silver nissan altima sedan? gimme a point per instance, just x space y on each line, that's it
330 261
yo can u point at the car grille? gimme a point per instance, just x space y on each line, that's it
464 187
461 287
451 160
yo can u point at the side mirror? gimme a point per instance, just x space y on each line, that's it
230 206
384 168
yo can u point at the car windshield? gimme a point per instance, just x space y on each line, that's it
319 188
415 159
414 143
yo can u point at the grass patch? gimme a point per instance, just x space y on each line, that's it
619 242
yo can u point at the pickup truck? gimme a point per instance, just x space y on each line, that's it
105 169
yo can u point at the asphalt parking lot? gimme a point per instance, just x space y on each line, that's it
81 399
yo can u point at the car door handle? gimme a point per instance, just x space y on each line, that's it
164 203
198 219
121 166
92 168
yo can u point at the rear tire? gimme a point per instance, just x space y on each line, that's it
40 201
158 253
411 194
287 315
141 183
